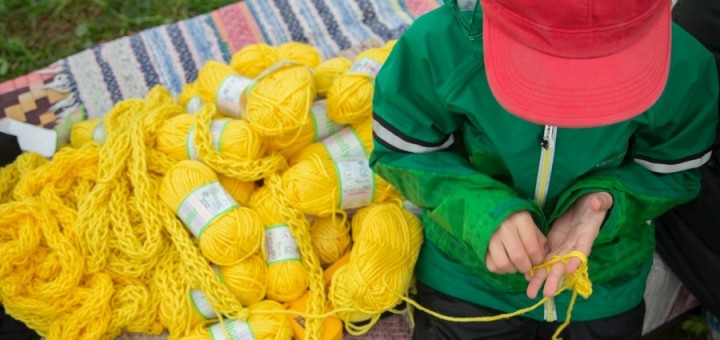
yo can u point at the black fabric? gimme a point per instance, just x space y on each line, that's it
625 326
10 328
688 237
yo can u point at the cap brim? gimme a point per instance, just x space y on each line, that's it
564 92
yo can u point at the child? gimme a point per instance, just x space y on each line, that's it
527 129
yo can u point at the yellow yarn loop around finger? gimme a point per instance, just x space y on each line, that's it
301 53
253 59
227 233
381 265
320 187
354 141
287 278
328 71
264 323
86 131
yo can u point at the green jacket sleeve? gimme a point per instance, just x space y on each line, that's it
415 150
661 169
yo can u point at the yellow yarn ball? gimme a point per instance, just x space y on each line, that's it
280 101
378 54
246 279
233 138
315 128
265 323
190 98
219 84
84 131
328 71
302 53
287 278
227 233
354 141
330 238
253 59
358 218
313 186
199 308
350 95
381 264
239 190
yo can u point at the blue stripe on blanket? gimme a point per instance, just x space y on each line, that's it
390 17
224 48
108 76
331 24
294 26
369 18
163 59
186 59
350 21
141 55
318 35
196 32
273 30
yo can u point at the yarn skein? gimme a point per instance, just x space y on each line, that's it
330 238
227 233
320 187
217 83
328 71
301 53
380 268
287 278
239 190
246 279
84 131
264 323
280 99
348 143
190 98
315 128
232 138
350 95
253 59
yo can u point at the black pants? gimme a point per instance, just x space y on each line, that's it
627 325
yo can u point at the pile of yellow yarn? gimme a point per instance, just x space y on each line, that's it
355 141
254 59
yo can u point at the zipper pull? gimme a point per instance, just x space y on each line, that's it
548 139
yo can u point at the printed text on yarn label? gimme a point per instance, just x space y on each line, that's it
367 66
234 330
217 127
357 183
201 304
323 125
280 244
228 95
344 144
203 206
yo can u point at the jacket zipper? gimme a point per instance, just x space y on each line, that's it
547 155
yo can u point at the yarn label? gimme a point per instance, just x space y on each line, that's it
231 330
202 206
356 182
99 133
344 144
366 65
217 127
324 127
280 244
194 105
228 95
202 305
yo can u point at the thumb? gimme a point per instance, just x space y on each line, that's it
601 202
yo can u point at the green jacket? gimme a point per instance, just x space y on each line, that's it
451 149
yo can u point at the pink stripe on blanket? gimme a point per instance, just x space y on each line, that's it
237 26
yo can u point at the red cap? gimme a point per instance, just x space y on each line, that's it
576 63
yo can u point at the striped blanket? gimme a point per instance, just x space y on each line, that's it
89 83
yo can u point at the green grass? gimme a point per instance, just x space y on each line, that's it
35 33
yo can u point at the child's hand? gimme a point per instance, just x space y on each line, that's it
516 246
576 229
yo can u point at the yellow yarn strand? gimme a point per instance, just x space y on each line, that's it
14 172
579 282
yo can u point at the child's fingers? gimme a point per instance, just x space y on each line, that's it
557 271
536 283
